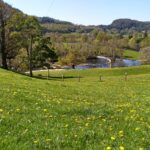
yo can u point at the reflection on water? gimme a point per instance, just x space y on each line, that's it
126 63
103 63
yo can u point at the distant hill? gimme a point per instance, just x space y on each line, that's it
121 25
44 20
127 24
54 25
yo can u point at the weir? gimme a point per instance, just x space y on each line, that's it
105 58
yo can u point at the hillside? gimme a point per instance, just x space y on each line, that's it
128 24
122 25
58 26
52 114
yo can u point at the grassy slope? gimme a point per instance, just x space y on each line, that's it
130 54
42 114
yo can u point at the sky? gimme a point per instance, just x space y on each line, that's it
86 12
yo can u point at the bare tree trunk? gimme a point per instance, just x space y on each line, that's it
30 57
3 44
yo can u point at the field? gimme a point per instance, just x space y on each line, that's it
63 113
131 54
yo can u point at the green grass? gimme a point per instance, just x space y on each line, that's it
130 54
91 115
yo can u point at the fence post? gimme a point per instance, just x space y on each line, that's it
62 77
100 78
126 76
48 75
79 78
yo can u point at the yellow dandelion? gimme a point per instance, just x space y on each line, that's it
104 120
121 148
110 128
48 140
45 110
113 138
121 133
88 118
35 142
75 135
87 124
108 148
17 109
1 110
137 129
66 126
14 93
140 148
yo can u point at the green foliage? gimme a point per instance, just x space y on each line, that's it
20 62
145 42
43 53
72 57
145 55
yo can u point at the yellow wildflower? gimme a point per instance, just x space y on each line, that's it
1 110
108 148
87 124
137 129
45 110
121 148
113 138
48 140
121 133
17 109
35 142
75 135
66 126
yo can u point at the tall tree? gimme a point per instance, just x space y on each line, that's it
5 14
29 29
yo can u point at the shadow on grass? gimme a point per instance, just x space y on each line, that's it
129 57
41 77
56 78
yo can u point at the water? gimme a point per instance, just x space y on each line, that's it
104 62
126 63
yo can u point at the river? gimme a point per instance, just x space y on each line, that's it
104 62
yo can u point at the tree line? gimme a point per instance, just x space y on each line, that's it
22 43
77 48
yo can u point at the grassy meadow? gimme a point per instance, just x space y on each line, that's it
131 54
65 114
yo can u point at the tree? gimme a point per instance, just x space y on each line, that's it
43 53
29 29
6 13
20 62
146 55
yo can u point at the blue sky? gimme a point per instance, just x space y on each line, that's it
87 12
